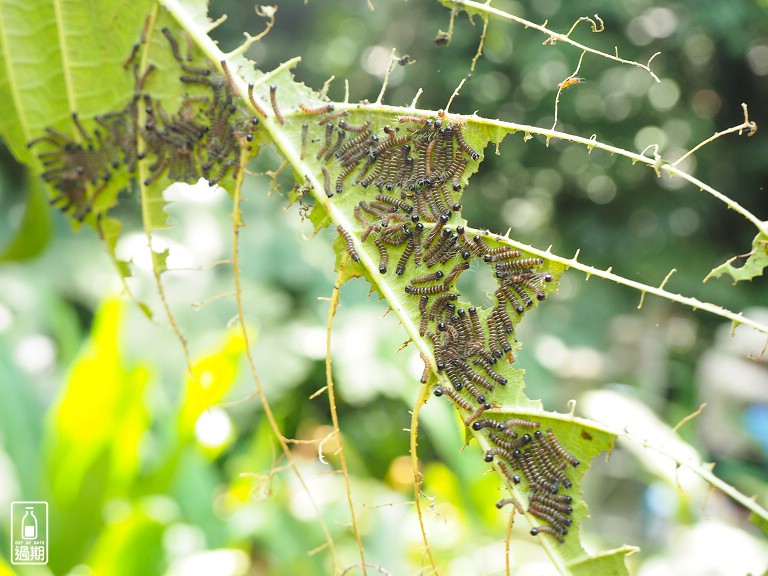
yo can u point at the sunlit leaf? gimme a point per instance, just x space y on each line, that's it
212 376
138 528
93 435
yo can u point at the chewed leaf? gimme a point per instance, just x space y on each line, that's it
753 267
394 187
609 563
542 458
57 64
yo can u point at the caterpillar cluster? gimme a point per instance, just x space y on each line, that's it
200 139
542 461
417 175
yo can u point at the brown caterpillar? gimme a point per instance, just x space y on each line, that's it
320 109
453 395
275 107
253 101
425 290
350 244
547 530
327 182
560 450
477 413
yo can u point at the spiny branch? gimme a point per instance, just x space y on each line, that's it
748 125
694 303
554 37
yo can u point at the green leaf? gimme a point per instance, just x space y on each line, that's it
756 262
93 435
34 233
60 58
139 529
106 396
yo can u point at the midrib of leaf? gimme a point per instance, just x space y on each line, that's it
66 64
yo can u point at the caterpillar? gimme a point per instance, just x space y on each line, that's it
559 502
273 101
560 450
320 109
501 503
455 271
508 445
254 103
423 313
519 264
485 365
519 423
327 182
497 451
328 139
425 290
383 255
350 244
332 149
514 478
477 413
333 116
486 423
463 144
401 204
344 125
454 396
341 177
304 130
406 255
547 530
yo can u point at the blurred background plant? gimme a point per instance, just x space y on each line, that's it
146 474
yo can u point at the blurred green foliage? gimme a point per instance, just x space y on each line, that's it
99 418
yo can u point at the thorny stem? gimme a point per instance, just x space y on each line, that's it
748 125
703 471
414 437
643 288
486 9
334 413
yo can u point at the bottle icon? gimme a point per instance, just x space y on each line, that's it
29 524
